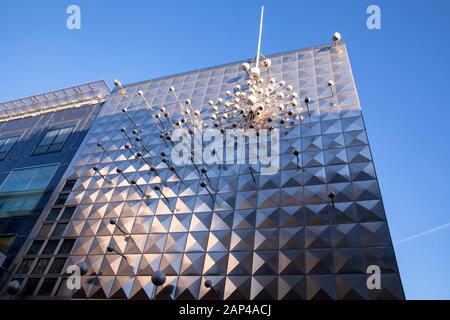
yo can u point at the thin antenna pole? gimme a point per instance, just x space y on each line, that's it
260 35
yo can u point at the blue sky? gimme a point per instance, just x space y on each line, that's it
401 72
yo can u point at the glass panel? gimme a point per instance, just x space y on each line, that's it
42 177
59 230
5 242
35 247
41 265
15 205
6 145
61 199
45 230
30 286
68 213
62 289
53 140
69 186
63 134
57 266
50 247
23 188
48 138
66 246
47 287
53 214
25 266
35 178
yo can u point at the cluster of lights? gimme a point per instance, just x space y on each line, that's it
261 103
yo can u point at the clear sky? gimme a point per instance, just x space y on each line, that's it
401 72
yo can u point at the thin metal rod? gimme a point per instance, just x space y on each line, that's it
251 172
121 230
146 102
139 139
259 37
120 254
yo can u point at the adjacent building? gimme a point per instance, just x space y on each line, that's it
125 212
39 136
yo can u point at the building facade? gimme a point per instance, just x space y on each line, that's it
126 212
39 136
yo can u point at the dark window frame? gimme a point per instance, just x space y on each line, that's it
49 145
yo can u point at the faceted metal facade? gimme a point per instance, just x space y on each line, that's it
275 237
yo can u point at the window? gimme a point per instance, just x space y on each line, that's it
41 265
63 290
25 266
44 232
69 186
6 145
59 229
6 242
61 199
53 141
50 247
57 266
53 214
35 247
66 246
28 179
22 189
68 213
47 287
30 286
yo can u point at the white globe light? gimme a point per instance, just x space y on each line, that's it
336 37
255 73
251 100
267 63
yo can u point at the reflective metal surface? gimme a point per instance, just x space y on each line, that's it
260 236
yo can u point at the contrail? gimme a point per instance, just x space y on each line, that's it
424 233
